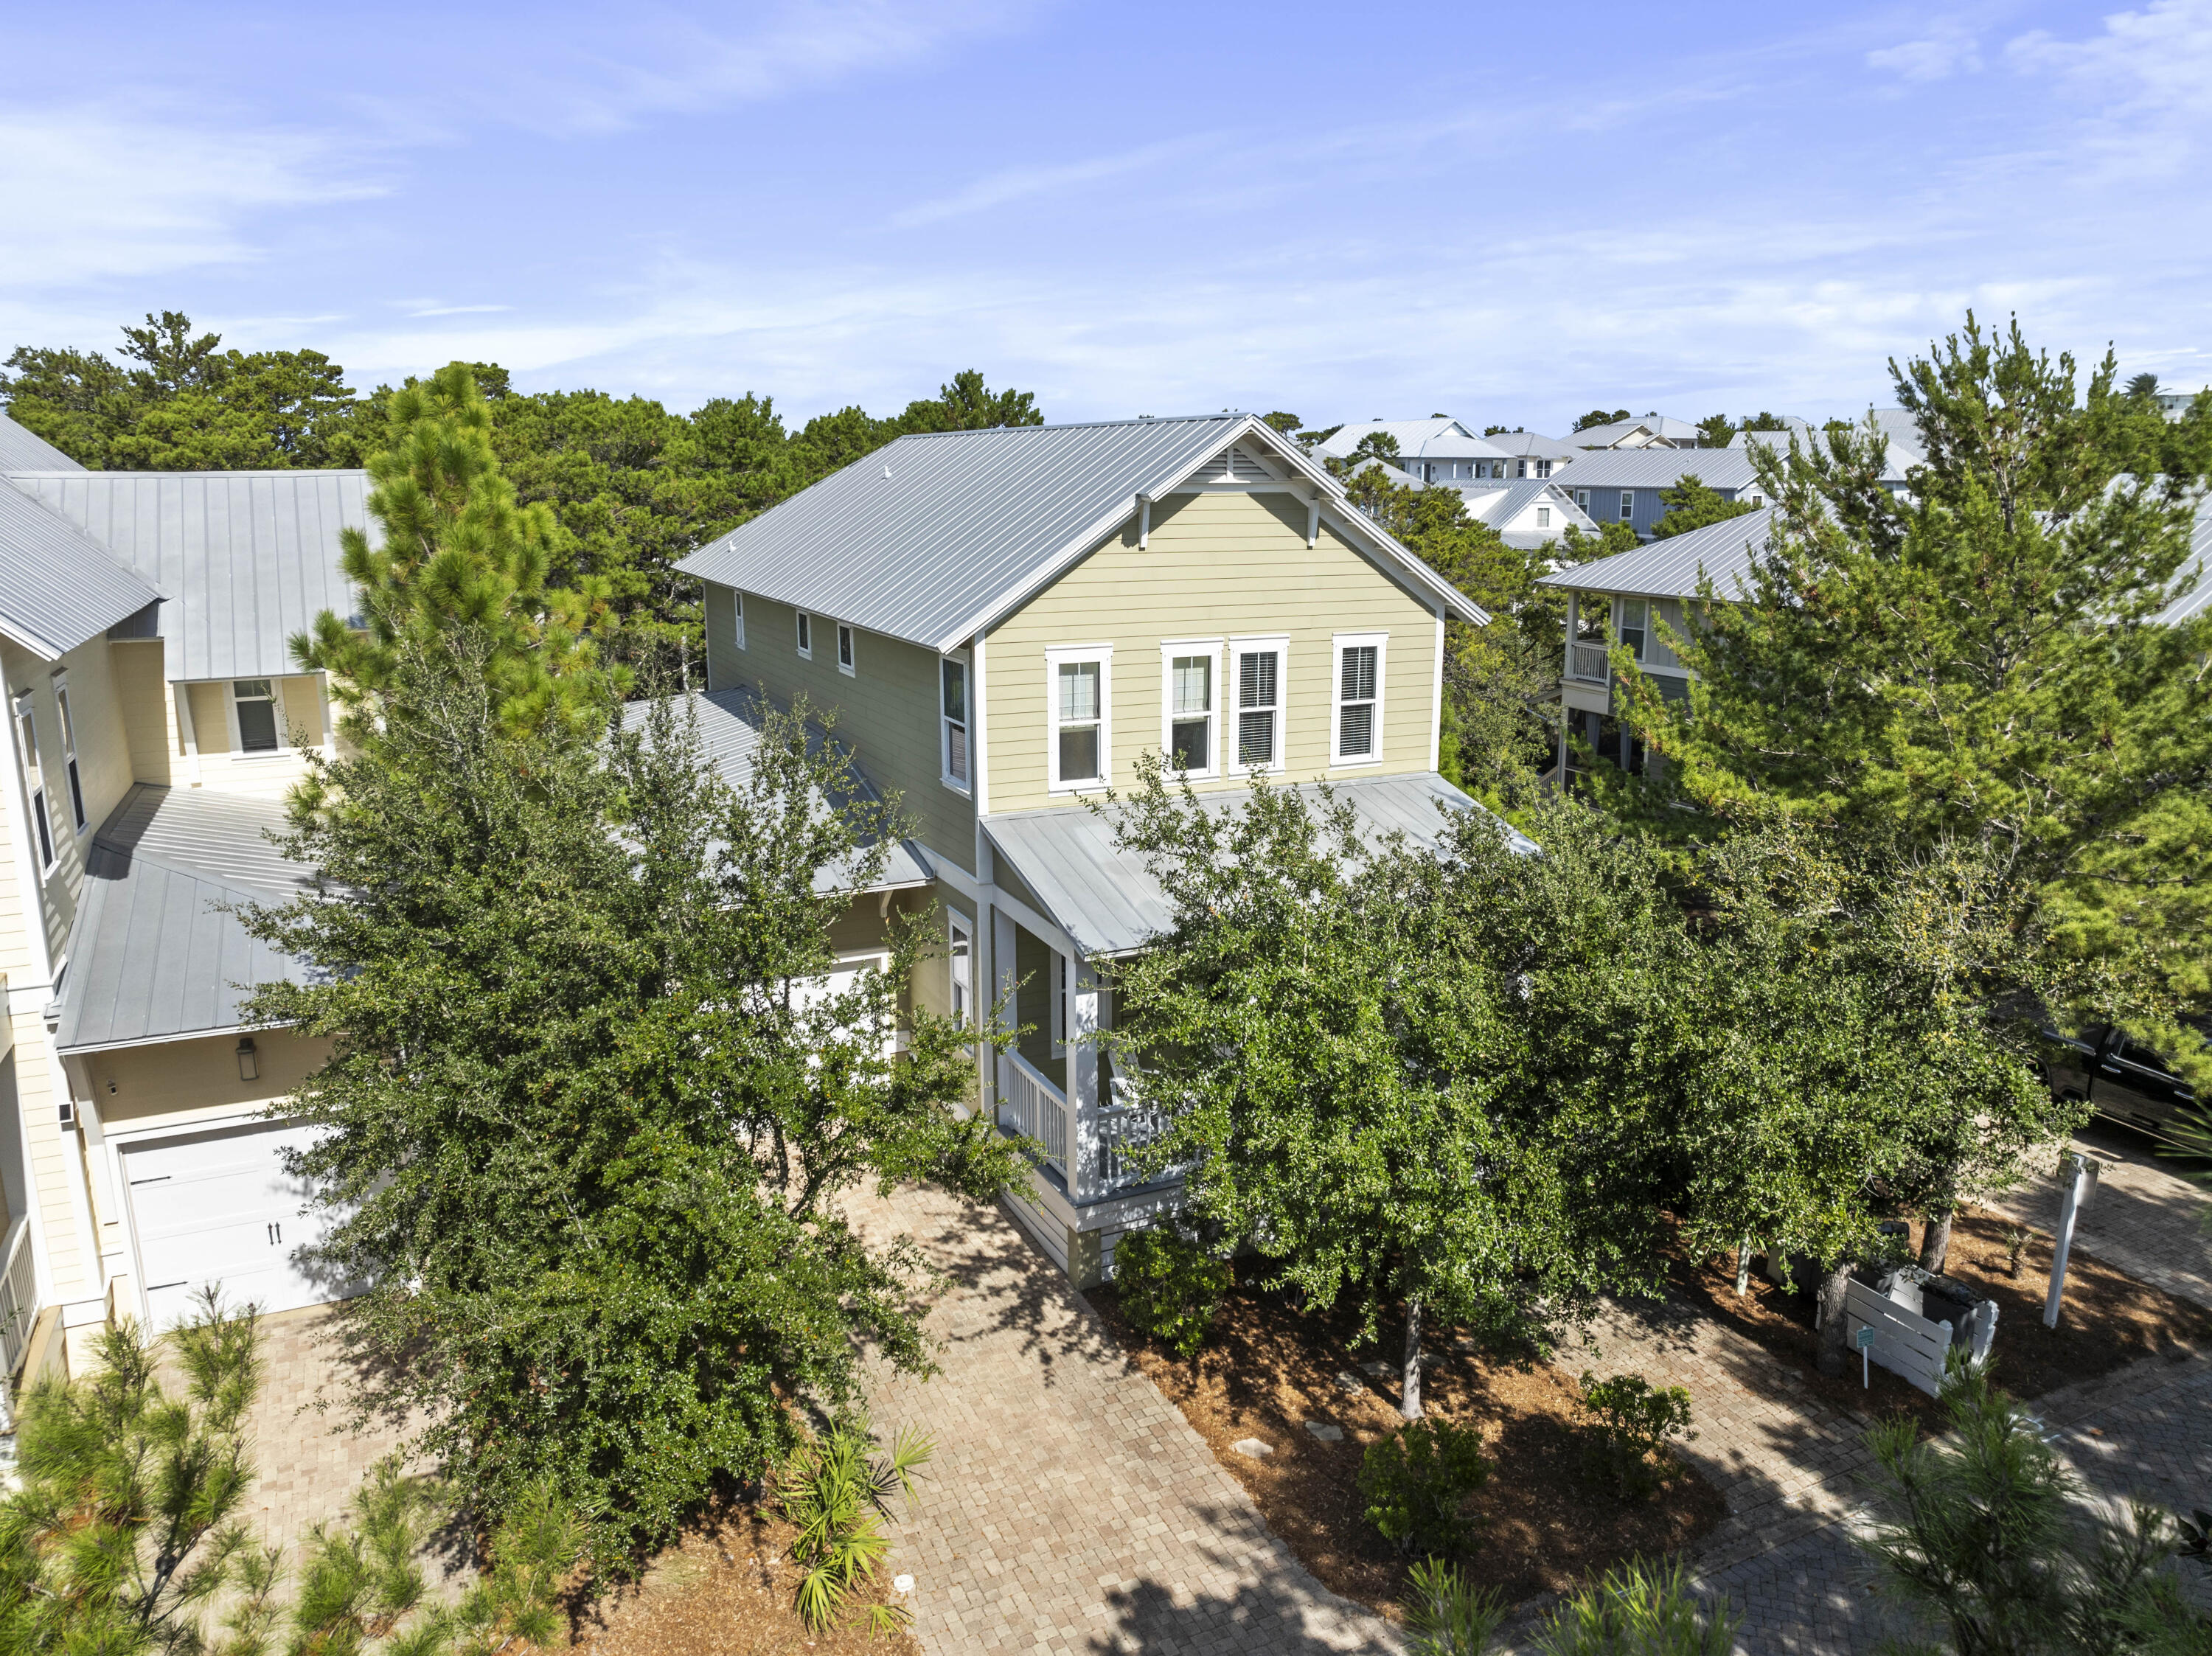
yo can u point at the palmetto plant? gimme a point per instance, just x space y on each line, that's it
837 1489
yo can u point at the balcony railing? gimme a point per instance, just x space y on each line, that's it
1587 662
1032 1106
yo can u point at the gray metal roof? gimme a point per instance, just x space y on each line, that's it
1499 507
1533 444
245 559
1660 468
58 586
1106 901
934 536
1659 425
24 451
1901 450
1441 437
2192 587
730 733
1670 568
153 954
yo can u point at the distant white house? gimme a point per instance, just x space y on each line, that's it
1534 455
1437 450
1527 512
1652 431
2175 403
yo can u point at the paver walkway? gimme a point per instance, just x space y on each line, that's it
1070 1507
2144 1219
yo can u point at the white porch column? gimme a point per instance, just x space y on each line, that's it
1082 1077
1003 976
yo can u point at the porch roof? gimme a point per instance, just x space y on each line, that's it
1103 897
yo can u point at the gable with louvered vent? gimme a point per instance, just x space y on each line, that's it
1231 465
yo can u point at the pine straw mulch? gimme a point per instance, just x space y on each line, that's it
726 1588
1267 1368
2107 1321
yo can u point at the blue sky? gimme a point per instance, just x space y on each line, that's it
1506 214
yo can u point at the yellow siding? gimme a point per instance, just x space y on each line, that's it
887 709
56 1160
1217 566
150 720
264 776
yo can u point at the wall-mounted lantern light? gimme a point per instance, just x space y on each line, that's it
249 1067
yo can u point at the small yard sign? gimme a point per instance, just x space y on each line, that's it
1864 1340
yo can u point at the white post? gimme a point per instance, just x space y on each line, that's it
1003 976
1743 1267
1083 1124
2079 1173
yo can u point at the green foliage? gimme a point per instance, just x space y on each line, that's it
1447 1614
1170 1285
838 1491
1376 1100
1763 421
1981 1531
123 1536
457 553
1628 1421
1600 417
2143 386
584 1132
1638 1609
1714 430
1284 422
1415 1481
1578 547
1975 662
1691 505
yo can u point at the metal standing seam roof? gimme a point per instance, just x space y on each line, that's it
57 586
1670 568
1901 450
154 956
1533 444
2192 587
1107 902
21 450
245 559
1442 438
1660 468
934 536
730 733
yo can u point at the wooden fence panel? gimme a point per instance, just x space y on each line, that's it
1904 1343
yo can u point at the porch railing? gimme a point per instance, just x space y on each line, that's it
1586 661
1032 1106
18 1297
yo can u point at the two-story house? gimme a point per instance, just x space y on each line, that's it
1652 431
1437 450
1005 621
1623 485
1533 454
1527 514
154 721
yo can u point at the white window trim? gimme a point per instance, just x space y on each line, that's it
72 774
802 632
229 688
1210 648
959 929
38 796
848 651
1627 506
1238 648
738 610
943 736
1055 656
1339 644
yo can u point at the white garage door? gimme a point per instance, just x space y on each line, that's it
218 1207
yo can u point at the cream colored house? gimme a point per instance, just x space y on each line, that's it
1006 622
155 722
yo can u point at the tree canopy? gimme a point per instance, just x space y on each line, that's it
1600 417
1692 504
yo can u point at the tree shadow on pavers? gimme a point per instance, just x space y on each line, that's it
1285 1609
1006 1286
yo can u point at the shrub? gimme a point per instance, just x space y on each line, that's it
1414 1480
1639 1608
837 1490
1625 1435
1170 1286
1447 1615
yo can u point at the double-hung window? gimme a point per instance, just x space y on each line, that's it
1189 670
1357 737
845 650
68 754
1079 684
1627 504
737 613
961 952
34 779
1634 618
259 720
805 636
952 675
1259 686
1543 467
1543 517
1583 498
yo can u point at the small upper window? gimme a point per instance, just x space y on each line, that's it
69 755
1633 618
738 609
1582 499
1358 689
955 721
34 780
1079 720
806 635
845 649
1627 504
259 729
1543 467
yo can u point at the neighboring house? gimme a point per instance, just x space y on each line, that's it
2175 403
1902 449
156 720
1533 454
1527 514
1624 485
1006 620
1632 597
1433 451
1652 431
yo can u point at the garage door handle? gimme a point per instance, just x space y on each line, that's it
275 1234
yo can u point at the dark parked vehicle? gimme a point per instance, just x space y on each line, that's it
2126 1081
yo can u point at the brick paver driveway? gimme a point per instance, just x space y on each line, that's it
2145 1218
1070 1507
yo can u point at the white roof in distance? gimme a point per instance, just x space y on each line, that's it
1438 438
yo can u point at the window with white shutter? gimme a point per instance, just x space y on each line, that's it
1260 731
1357 736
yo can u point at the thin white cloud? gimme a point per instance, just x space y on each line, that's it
1934 57
2157 60
459 310
1020 183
